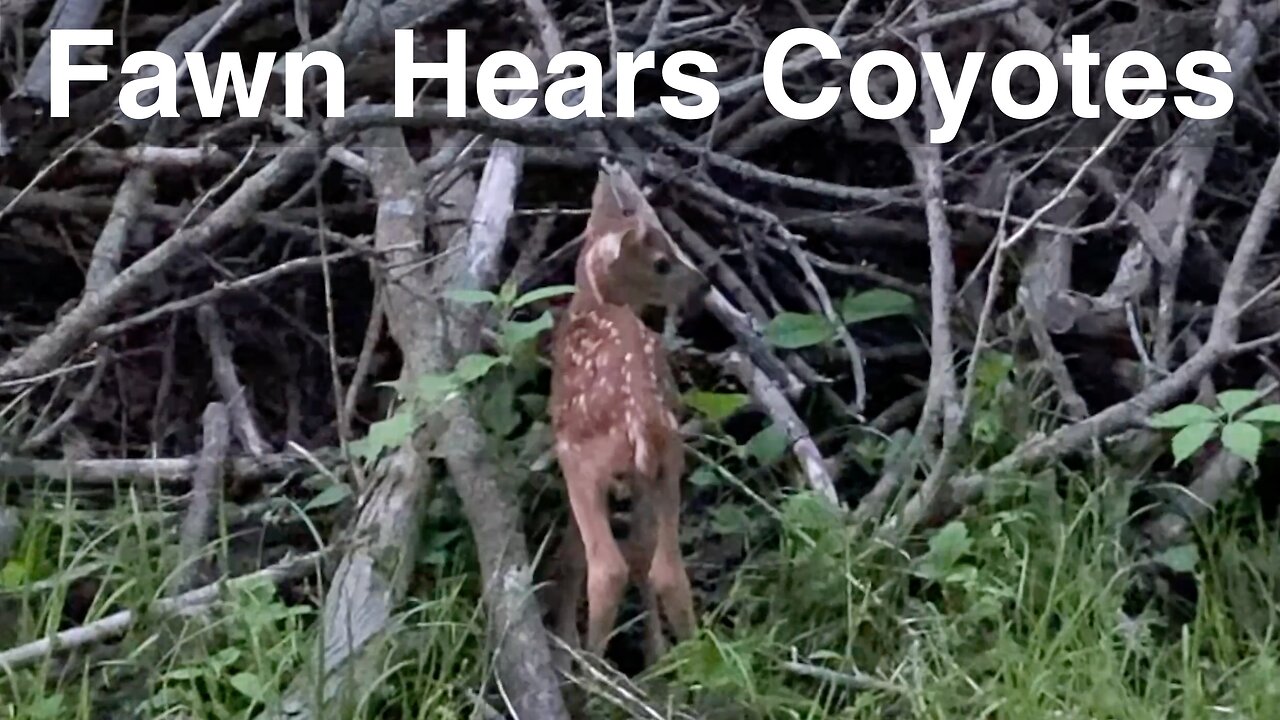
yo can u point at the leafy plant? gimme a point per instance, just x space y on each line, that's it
947 548
715 406
767 446
794 330
516 353
259 646
875 304
1239 431
993 380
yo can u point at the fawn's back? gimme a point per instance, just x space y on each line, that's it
612 387
614 396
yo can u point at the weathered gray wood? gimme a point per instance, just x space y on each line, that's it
372 576
206 495
142 471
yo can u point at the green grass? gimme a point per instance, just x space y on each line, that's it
1015 614
1015 611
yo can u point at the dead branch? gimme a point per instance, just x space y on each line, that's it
771 399
72 14
943 499
206 494
164 471
372 575
215 338
121 622
63 339
519 641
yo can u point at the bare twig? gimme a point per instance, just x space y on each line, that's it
770 398
62 340
944 499
49 432
224 374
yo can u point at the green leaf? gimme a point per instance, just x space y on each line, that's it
384 434
534 404
1190 439
987 425
949 544
543 293
703 477
515 332
873 304
1264 414
993 368
48 707
330 496
961 575
225 657
730 519
499 409
1243 440
431 387
1232 401
188 673
808 512
191 672
1182 416
715 406
471 297
249 685
768 446
792 330
475 366
1180 558
507 293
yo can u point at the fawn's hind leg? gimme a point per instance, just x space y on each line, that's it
640 547
606 568
667 574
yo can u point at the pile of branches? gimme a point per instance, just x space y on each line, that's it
210 304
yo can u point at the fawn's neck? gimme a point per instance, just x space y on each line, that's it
594 298
593 290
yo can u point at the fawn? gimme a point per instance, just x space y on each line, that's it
613 408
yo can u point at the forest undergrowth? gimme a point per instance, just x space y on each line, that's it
1030 605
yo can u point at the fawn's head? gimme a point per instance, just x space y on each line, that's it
627 257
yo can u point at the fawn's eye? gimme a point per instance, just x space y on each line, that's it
662 266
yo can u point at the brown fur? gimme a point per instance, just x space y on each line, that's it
614 406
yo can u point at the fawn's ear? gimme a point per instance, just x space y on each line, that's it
608 245
617 212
